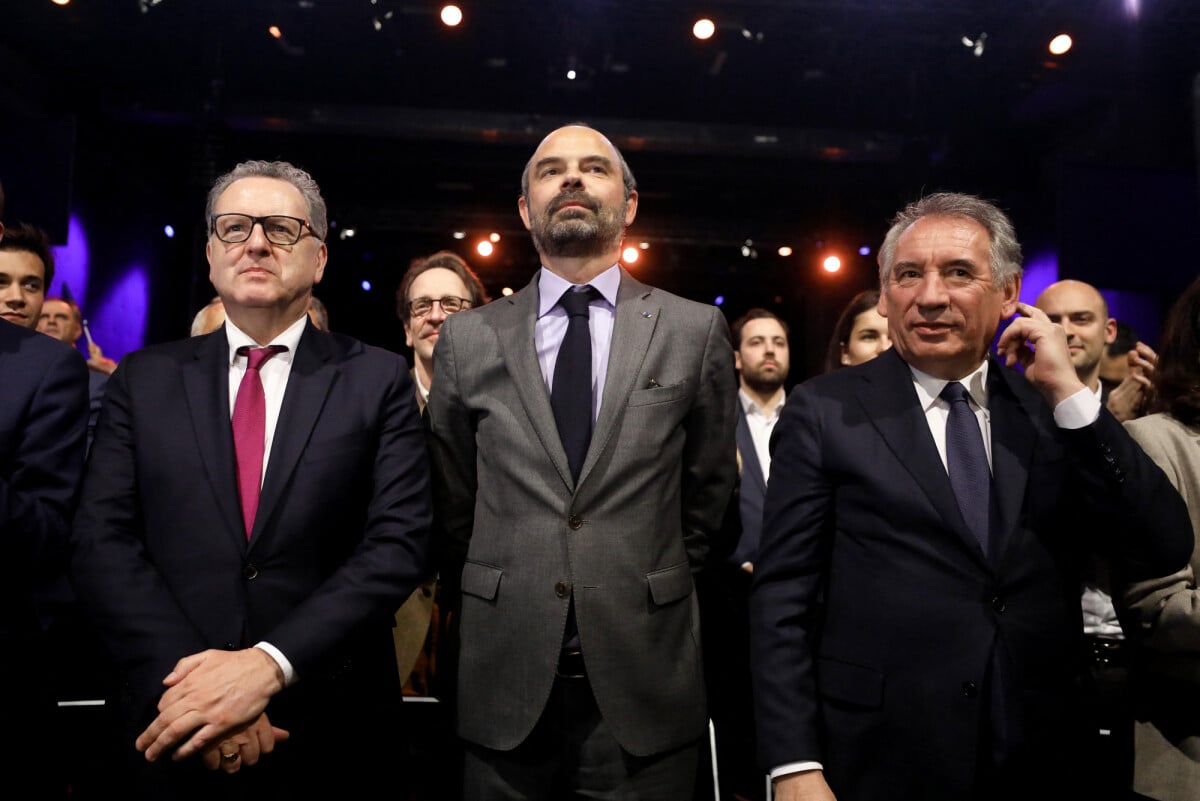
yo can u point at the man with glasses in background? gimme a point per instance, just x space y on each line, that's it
255 509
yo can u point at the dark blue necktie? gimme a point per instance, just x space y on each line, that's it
571 391
966 462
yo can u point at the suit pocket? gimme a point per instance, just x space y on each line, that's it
670 584
480 580
850 683
647 397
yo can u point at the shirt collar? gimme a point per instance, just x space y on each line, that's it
749 406
289 338
929 388
551 287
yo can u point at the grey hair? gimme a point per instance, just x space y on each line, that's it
1004 249
284 171
626 173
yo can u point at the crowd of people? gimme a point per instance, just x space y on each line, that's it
625 559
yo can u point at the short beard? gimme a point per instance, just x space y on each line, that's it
577 236
764 386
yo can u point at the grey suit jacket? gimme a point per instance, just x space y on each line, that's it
625 541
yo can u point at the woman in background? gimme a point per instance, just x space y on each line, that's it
1164 614
860 335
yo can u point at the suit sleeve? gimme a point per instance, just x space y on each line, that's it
710 453
1144 521
390 560
37 496
453 457
798 519
113 574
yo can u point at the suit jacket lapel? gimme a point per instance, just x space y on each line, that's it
1013 439
312 375
206 379
892 407
633 328
515 332
751 470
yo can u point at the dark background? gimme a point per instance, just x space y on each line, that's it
801 123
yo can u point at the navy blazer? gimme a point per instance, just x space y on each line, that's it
161 560
885 644
752 489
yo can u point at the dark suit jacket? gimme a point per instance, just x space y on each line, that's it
886 645
752 489
43 422
161 560
624 540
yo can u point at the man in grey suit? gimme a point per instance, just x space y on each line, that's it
575 538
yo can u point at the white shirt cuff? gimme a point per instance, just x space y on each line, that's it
1078 411
289 674
794 767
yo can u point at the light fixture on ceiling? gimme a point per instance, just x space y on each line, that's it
451 15
1060 44
704 28
975 44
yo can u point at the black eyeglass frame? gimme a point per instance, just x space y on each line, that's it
261 221
464 304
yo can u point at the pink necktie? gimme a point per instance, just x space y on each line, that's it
250 430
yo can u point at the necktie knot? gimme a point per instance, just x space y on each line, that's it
255 357
955 392
576 301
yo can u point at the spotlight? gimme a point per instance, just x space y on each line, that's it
168 230
1060 44
366 285
484 248
719 300
976 45
60 2
704 29
864 251
347 233
785 251
459 234
832 264
570 75
494 237
275 32
630 255
644 245
145 5
451 15
508 290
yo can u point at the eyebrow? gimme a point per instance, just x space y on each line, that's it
593 159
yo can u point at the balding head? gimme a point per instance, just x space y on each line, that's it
1083 313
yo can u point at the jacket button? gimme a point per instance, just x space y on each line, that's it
561 589
230 646
250 572
998 605
575 522
969 689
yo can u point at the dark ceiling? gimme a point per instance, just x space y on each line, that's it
800 122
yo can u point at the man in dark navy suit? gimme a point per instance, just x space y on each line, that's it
915 615
242 544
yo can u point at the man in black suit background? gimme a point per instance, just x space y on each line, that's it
43 423
245 581
914 637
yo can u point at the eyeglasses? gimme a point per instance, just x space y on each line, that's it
279 229
450 304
